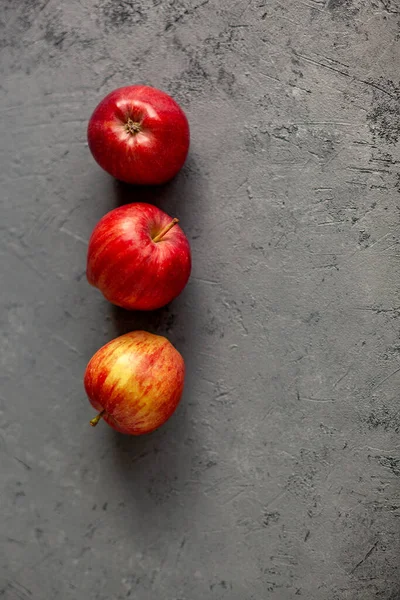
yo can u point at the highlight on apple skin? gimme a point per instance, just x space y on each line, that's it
138 257
135 382
139 135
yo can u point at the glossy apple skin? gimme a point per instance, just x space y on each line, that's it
128 267
152 155
137 379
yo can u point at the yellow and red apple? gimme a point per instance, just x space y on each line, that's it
135 382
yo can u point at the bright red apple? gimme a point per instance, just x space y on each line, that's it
135 382
139 135
138 257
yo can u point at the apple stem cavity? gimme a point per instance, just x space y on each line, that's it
97 418
132 127
160 235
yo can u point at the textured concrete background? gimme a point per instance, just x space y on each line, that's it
279 476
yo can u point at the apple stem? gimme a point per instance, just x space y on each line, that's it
132 127
160 235
97 418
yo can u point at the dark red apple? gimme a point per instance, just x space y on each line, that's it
139 135
138 257
135 382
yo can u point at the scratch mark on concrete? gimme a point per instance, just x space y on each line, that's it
67 344
73 235
380 383
342 377
24 464
319 400
370 551
206 281
345 74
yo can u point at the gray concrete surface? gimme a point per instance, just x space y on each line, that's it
279 476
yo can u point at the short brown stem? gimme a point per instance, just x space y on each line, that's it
97 418
160 235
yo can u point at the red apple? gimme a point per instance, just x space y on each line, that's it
139 135
135 382
138 257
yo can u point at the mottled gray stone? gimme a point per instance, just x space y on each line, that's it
279 476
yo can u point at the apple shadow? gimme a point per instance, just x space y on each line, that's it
153 469
168 196
125 193
155 321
